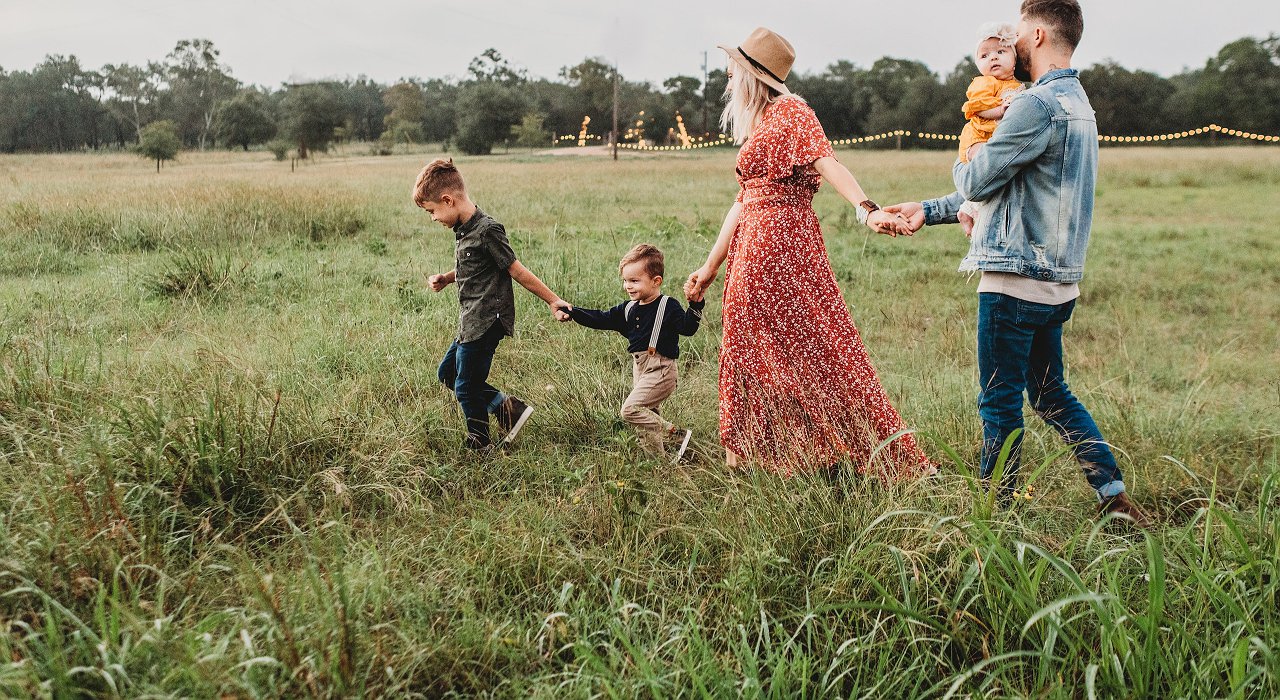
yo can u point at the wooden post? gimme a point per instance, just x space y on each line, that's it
615 112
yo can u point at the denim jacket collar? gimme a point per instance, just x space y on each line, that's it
1057 73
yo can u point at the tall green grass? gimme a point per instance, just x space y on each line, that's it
230 471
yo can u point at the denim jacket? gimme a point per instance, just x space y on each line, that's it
1036 177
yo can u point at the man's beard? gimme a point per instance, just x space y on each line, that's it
1021 65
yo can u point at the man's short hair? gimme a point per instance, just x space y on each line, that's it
1064 16
653 259
440 177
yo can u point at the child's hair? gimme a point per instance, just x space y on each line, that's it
440 177
1003 32
654 261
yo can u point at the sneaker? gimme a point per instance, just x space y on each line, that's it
1122 506
684 444
512 415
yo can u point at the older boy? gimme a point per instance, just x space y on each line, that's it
485 266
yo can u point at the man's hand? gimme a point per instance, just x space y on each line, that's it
560 310
889 223
973 151
912 212
439 282
966 223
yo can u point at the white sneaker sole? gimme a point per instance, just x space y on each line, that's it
528 411
684 446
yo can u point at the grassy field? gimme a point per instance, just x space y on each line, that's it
228 469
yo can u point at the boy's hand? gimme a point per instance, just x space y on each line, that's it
696 286
439 282
560 310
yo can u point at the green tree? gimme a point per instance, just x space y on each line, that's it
1128 103
312 111
441 118
530 132
134 90
491 67
159 140
245 120
197 84
407 111
486 113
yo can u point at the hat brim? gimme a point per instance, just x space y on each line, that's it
736 54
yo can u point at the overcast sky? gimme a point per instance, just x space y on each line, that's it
268 42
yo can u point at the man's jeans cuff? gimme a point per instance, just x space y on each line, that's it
1110 490
501 397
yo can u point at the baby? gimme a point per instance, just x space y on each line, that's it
988 96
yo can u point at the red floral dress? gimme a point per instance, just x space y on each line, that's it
797 390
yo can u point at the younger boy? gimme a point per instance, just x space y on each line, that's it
485 266
653 323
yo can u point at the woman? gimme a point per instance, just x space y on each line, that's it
797 390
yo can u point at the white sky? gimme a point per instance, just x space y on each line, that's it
268 42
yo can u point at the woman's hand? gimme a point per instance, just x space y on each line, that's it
698 282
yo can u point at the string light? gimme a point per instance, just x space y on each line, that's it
688 143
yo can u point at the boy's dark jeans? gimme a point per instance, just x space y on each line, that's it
465 369
1020 348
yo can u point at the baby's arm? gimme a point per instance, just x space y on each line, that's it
994 114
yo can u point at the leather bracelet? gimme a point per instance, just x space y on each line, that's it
865 207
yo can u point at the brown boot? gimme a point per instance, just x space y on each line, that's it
1121 505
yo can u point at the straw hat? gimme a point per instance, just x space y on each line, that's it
765 55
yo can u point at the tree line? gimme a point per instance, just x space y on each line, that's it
191 96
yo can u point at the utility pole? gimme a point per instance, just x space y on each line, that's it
615 111
706 129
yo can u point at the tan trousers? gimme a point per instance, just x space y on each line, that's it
653 379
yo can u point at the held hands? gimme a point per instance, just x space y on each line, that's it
891 224
695 287
560 310
911 212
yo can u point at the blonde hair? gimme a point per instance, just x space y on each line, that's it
653 259
440 177
1003 32
746 98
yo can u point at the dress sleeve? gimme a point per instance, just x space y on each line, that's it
797 142
983 94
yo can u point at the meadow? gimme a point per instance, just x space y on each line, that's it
228 469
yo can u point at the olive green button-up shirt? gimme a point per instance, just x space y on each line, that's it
485 297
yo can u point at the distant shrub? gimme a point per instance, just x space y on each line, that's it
279 148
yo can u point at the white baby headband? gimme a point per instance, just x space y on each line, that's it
1002 31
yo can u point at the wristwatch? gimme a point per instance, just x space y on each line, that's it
864 210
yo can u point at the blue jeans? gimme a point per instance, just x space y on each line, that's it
465 369
1020 349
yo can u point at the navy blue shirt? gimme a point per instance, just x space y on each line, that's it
638 325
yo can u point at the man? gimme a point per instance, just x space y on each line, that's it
1037 177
